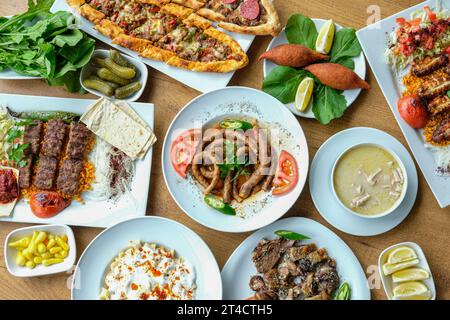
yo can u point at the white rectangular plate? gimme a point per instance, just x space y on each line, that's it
201 81
373 41
92 213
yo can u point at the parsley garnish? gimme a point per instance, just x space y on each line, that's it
13 134
16 154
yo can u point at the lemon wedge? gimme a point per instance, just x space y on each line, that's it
389 268
304 93
325 38
401 254
411 274
414 290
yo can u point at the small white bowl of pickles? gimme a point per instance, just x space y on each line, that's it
40 250
113 75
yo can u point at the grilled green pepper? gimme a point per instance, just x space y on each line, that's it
290 235
344 292
219 205
235 124
66 116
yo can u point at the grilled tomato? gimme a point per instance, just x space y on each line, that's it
286 177
412 111
46 204
183 150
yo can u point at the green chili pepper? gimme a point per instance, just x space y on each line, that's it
235 124
344 292
66 116
291 235
219 205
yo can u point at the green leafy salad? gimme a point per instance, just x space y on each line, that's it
43 44
282 82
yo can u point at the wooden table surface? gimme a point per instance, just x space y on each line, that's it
427 224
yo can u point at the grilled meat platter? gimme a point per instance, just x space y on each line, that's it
290 270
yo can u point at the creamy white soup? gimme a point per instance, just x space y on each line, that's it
368 180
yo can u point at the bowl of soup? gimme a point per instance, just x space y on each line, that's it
369 180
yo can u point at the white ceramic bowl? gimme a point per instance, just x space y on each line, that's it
39 270
141 74
401 166
388 284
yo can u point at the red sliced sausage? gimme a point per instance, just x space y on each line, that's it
250 9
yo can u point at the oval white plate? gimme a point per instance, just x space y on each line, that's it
39 270
320 183
261 209
388 284
97 257
350 95
239 268
141 74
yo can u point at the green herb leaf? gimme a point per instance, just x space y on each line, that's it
301 30
328 104
290 235
282 83
16 154
448 93
345 45
13 134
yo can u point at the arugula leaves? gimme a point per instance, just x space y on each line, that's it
282 82
328 104
346 46
44 44
301 30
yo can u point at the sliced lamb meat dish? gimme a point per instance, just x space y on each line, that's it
54 138
267 253
297 253
293 271
46 171
25 173
79 136
328 278
69 175
257 283
32 136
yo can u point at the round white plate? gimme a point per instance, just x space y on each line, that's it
96 259
239 268
350 95
320 183
262 209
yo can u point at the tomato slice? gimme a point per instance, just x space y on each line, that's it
401 21
431 15
46 204
183 150
286 177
